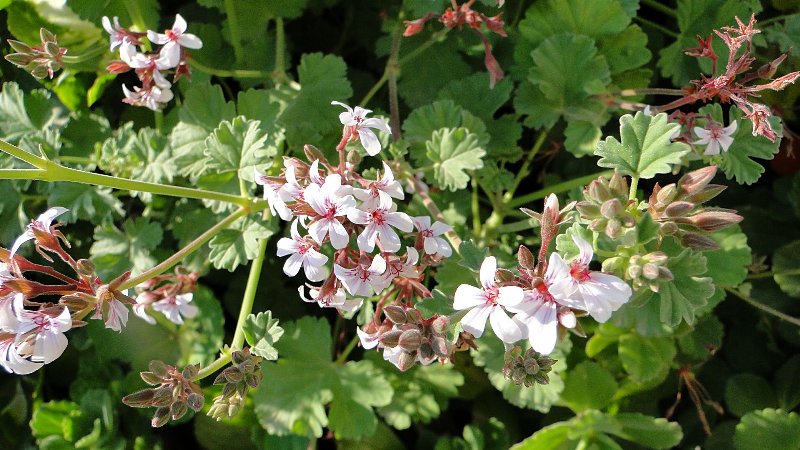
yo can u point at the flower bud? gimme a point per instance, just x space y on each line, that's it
696 180
665 274
178 410
713 220
666 195
396 314
587 210
353 157
567 318
86 267
505 276
413 315
426 351
618 185
613 228
440 346
439 324
410 340
525 258
390 338
159 368
611 265
678 209
313 153
657 257
150 378
650 271
706 194
598 191
669 228
139 399
611 208
195 401
406 360
633 272
160 418
699 242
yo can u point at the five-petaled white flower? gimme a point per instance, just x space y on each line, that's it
715 137
40 334
42 224
329 201
173 39
153 98
489 302
397 268
386 186
303 254
357 122
363 280
277 205
176 307
429 233
379 220
598 293
333 299
118 35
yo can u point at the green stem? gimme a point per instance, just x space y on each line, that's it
219 363
92 53
249 295
476 211
515 227
650 91
634 187
19 153
280 47
765 22
185 251
756 276
132 6
347 350
393 71
655 4
656 26
763 307
233 25
524 171
234 73
22 174
76 159
556 188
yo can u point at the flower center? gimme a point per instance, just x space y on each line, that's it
578 272
42 322
377 216
491 295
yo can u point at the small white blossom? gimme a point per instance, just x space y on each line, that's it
11 360
397 268
329 203
303 254
277 205
114 314
176 307
432 243
42 224
489 303
334 299
173 39
118 35
363 280
143 301
386 186
714 137
41 333
153 98
379 220
357 122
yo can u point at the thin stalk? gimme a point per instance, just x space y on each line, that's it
476 211
516 227
524 171
634 187
280 47
249 295
763 307
185 251
233 73
347 350
556 188
22 174
655 4
393 71
19 153
657 26
233 26
650 91
375 88
132 6
217 364
91 53
756 276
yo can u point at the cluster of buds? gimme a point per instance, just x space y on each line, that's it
646 270
734 85
32 332
607 206
151 66
527 368
174 395
244 374
458 16
329 204
169 294
407 338
40 60
677 207
543 295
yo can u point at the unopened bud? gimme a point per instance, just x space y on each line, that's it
713 220
439 324
46 36
139 399
618 185
567 318
611 265
706 194
390 338
74 302
613 228
160 418
696 180
178 410
611 208
353 157
598 191
195 401
656 257
313 153
665 274
598 225
396 314
410 340
699 242
440 346
650 271
413 315
678 209
406 360
666 195
151 378
505 275
669 228
587 210
159 368
525 258
633 272
426 351
86 267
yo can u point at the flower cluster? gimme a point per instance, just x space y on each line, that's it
346 231
174 395
243 375
40 60
170 295
458 16
150 66
544 295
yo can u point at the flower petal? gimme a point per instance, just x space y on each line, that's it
467 296
488 271
505 328
474 321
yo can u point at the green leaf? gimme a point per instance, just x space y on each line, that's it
588 386
144 155
551 437
471 256
54 419
739 161
581 137
769 428
262 332
474 95
688 291
438 304
703 340
645 150
94 10
239 243
647 360
651 432
204 107
309 114
443 64
491 356
115 251
23 114
626 50
85 201
239 146
420 125
454 151
728 265
785 262
746 392
360 389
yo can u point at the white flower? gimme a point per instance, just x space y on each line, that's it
715 137
118 35
173 39
363 280
303 254
11 360
489 302
153 64
333 299
144 300
176 307
8 318
429 233
378 219
539 310
368 340
153 98
114 313
357 122
277 206
387 185
41 333
329 203
42 224
396 268
600 294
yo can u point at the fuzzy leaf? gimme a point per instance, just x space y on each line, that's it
787 384
786 259
114 251
768 428
239 146
453 152
728 265
262 332
239 243
650 432
746 392
588 386
85 201
645 150
688 291
439 304
647 360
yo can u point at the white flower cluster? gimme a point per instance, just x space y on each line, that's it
540 304
329 206
150 67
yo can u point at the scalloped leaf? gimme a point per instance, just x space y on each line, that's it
453 152
768 428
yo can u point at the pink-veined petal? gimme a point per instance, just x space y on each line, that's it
439 228
49 346
366 240
293 264
378 124
585 249
286 246
370 142
189 40
510 296
505 328
474 321
725 142
368 341
400 220
543 328
467 296
389 238
318 230
422 222
488 271
313 271
431 245
339 236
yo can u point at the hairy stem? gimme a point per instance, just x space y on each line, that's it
346 352
763 307
249 295
756 276
219 363
234 73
